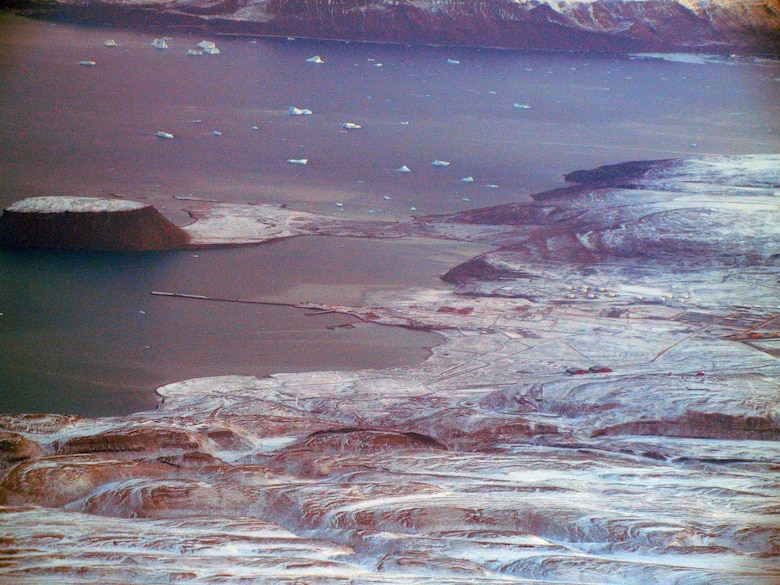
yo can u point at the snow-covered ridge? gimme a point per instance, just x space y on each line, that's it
602 25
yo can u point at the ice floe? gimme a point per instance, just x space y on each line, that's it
159 44
315 59
440 163
351 126
161 134
403 169
293 111
298 161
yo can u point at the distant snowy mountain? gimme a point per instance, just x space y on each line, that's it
602 25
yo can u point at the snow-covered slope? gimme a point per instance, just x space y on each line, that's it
605 25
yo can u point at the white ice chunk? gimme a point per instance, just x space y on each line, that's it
351 126
403 169
207 45
468 179
87 63
453 61
159 44
211 51
315 59
194 52
298 161
161 134
217 133
521 106
111 43
440 163
293 111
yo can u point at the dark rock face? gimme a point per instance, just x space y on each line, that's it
79 223
601 25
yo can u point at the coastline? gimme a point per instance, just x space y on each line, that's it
605 411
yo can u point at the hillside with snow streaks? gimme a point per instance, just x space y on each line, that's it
603 410
590 25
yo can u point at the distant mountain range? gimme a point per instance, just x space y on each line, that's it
594 25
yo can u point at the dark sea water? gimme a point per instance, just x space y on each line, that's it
81 333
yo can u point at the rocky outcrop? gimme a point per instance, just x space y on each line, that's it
639 210
593 25
82 223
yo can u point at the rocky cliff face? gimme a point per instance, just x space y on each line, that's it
82 223
600 25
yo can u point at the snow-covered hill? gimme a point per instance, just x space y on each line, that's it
602 25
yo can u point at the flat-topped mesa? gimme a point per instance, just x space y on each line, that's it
86 223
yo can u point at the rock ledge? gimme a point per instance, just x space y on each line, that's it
85 223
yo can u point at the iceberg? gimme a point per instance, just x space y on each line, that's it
315 59
161 134
298 161
521 106
403 169
207 45
440 163
87 63
159 44
293 111
351 126
468 179
194 52
110 43
453 61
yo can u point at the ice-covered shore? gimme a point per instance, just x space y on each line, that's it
604 410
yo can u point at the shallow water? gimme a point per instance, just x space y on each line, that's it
75 325
81 333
